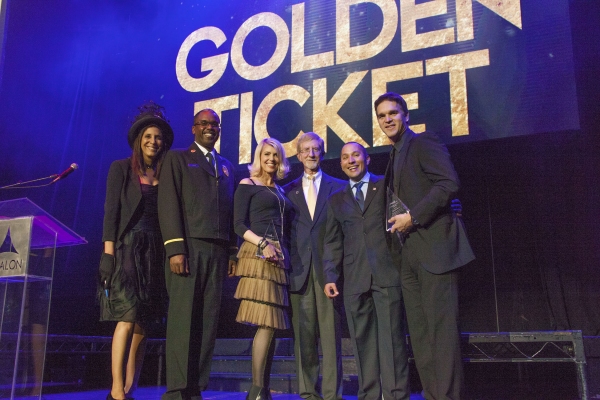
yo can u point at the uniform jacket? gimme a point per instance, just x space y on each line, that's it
193 200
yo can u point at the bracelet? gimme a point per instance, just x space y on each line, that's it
260 243
265 244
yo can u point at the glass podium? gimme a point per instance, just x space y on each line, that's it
29 237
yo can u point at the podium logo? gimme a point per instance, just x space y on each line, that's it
14 236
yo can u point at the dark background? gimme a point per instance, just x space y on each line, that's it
530 201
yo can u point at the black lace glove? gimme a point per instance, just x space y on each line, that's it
107 268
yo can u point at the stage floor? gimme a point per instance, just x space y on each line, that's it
154 393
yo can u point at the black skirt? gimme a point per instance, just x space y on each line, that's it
137 290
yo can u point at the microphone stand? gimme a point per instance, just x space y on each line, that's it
19 185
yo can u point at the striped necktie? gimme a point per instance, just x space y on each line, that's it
359 196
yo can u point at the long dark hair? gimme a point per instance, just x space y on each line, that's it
154 115
137 157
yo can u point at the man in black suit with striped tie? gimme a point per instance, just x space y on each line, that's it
356 245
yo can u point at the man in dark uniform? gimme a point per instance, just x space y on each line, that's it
195 203
356 246
314 316
422 176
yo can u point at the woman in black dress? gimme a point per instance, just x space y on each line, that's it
261 218
132 288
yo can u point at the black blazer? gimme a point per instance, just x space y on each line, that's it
427 184
123 196
356 243
193 201
307 234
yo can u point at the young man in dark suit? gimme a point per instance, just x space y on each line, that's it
421 174
314 315
195 203
356 245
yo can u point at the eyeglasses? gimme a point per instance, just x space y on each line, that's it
204 124
316 151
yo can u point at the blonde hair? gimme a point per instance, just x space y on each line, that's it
284 166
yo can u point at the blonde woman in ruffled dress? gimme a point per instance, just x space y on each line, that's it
263 287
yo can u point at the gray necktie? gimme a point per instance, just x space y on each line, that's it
359 196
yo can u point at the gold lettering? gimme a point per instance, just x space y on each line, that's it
380 78
301 62
412 103
410 13
326 113
456 66
216 64
286 92
345 52
277 25
464 20
245 155
510 10
218 106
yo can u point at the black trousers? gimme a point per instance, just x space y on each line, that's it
194 304
376 324
431 302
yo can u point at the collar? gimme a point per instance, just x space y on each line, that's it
365 179
398 145
204 149
317 176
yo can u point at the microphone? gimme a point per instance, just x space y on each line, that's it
66 172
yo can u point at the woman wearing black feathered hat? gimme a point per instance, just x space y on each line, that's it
132 289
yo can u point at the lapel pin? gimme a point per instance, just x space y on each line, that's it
193 151
297 192
225 170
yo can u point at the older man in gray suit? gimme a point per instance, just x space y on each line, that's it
313 314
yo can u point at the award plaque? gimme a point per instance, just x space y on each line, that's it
395 206
271 237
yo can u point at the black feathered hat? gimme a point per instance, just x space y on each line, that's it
151 114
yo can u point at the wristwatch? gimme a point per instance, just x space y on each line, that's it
414 221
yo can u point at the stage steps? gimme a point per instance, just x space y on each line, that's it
85 361
232 365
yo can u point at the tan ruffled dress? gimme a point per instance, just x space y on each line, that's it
263 287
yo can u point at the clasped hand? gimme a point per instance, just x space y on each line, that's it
271 253
402 223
